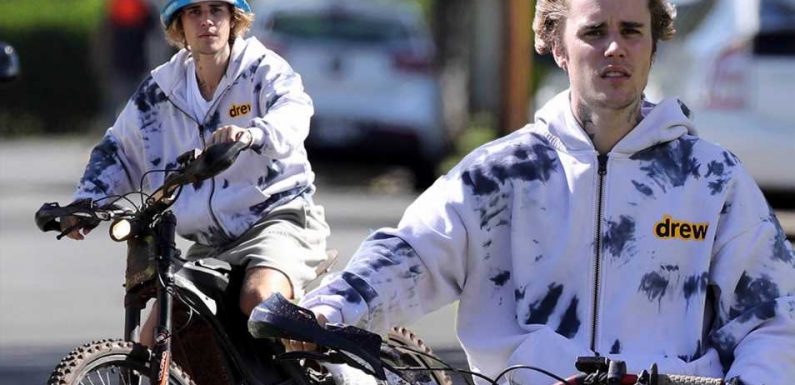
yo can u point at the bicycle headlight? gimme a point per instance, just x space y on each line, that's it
120 230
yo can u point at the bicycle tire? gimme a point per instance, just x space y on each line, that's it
402 337
111 358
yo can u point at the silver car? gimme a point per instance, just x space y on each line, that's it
369 70
732 63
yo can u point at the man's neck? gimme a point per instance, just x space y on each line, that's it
209 71
606 126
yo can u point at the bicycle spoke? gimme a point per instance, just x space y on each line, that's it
125 377
88 377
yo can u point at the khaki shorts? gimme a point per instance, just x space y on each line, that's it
291 239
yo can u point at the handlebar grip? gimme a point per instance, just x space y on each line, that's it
678 379
209 163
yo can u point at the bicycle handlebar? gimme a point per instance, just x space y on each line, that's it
196 166
48 217
207 164
277 317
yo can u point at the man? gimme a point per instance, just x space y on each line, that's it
606 226
219 87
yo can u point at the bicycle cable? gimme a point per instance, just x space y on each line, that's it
445 365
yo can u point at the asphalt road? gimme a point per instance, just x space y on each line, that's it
57 294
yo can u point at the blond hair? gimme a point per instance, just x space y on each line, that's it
241 22
551 15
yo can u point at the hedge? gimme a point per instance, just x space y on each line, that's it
58 90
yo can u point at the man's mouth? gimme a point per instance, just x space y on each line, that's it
612 72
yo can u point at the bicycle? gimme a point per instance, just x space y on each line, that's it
278 318
201 336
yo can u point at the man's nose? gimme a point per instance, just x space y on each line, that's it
206 19
615 47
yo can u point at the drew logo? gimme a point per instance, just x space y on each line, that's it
669 228
240 110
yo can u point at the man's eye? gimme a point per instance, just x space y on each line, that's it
632 32
593 33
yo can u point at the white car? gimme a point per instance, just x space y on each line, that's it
368 67
732 63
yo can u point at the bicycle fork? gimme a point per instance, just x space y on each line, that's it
161 357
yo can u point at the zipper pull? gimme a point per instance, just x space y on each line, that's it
602 159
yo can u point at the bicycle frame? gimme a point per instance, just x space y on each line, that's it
161 246
151 260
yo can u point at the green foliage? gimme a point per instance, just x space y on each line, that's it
482 129
425 6
19 15
57 91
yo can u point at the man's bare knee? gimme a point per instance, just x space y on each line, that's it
147 336
259 284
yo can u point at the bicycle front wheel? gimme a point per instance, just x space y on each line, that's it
111 362
412 352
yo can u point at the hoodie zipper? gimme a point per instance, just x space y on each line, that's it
602 171
212 108
210 111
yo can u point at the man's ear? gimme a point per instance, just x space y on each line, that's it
561 59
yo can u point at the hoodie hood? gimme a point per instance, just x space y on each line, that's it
170 75
661 123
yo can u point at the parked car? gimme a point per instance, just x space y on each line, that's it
732 63
369 68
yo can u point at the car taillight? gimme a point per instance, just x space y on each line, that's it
729 84
412 62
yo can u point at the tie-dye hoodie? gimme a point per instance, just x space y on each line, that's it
260 91
664 251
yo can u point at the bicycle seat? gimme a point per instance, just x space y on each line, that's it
210 275
277 317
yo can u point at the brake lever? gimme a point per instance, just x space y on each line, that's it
84 222
68 230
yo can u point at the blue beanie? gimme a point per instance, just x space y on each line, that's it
172 6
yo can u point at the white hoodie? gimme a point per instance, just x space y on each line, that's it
260 91
670 256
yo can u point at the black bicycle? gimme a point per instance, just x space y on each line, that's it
201 336
278 318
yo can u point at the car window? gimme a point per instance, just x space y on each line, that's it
690 14
776 28
341 27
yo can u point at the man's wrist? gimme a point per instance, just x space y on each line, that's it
333 316
256 135
248 137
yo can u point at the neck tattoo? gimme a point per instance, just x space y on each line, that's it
585 115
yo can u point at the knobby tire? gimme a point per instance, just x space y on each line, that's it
402 337
106 362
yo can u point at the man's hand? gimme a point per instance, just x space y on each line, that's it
231 133
67 222
292 345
